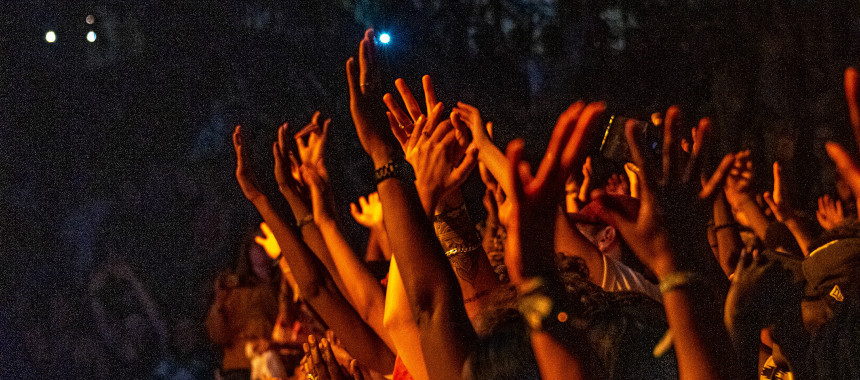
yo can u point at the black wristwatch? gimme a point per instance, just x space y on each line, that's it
398 168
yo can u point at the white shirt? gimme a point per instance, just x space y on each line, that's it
618 277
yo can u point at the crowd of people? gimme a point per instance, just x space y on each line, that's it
650 263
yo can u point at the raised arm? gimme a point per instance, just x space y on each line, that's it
428 279
661 237
398 320
739 194
559 349
440 174
311 148
315 284
366 293
784 213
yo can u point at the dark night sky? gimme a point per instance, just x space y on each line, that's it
120 147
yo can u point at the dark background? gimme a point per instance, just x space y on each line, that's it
120 148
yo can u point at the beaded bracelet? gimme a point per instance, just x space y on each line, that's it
676 280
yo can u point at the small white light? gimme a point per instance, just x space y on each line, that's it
50 36
384 38
91 36
91 19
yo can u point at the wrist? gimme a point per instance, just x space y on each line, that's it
664 267
449 202
740 201
324 221
382 156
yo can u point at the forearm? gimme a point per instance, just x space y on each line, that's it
430 284
554 361
151 310
800 234
366 294
459 239
494 159
319 290
311 233
701 344
306 267
729 242
401 325
359 339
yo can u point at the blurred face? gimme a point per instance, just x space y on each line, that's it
260 262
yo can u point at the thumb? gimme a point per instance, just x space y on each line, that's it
768 197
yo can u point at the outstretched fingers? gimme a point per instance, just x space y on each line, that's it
564 127
777 182
429 92
408 99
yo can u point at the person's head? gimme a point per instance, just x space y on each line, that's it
252 262
623 329
504 352
604 237
590 221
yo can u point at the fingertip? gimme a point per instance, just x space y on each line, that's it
515 148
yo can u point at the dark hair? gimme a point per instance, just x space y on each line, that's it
243 268
505 352
623 329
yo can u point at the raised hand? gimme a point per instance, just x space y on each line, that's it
433 150
402 124
847 167
322 201
470 117
367 114
776 202
738 184
311 143
530 211
368 213
244 173
829 213
287 172
320 362
268 242
616 185
660 235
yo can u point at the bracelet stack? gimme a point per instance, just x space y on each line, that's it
399 168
